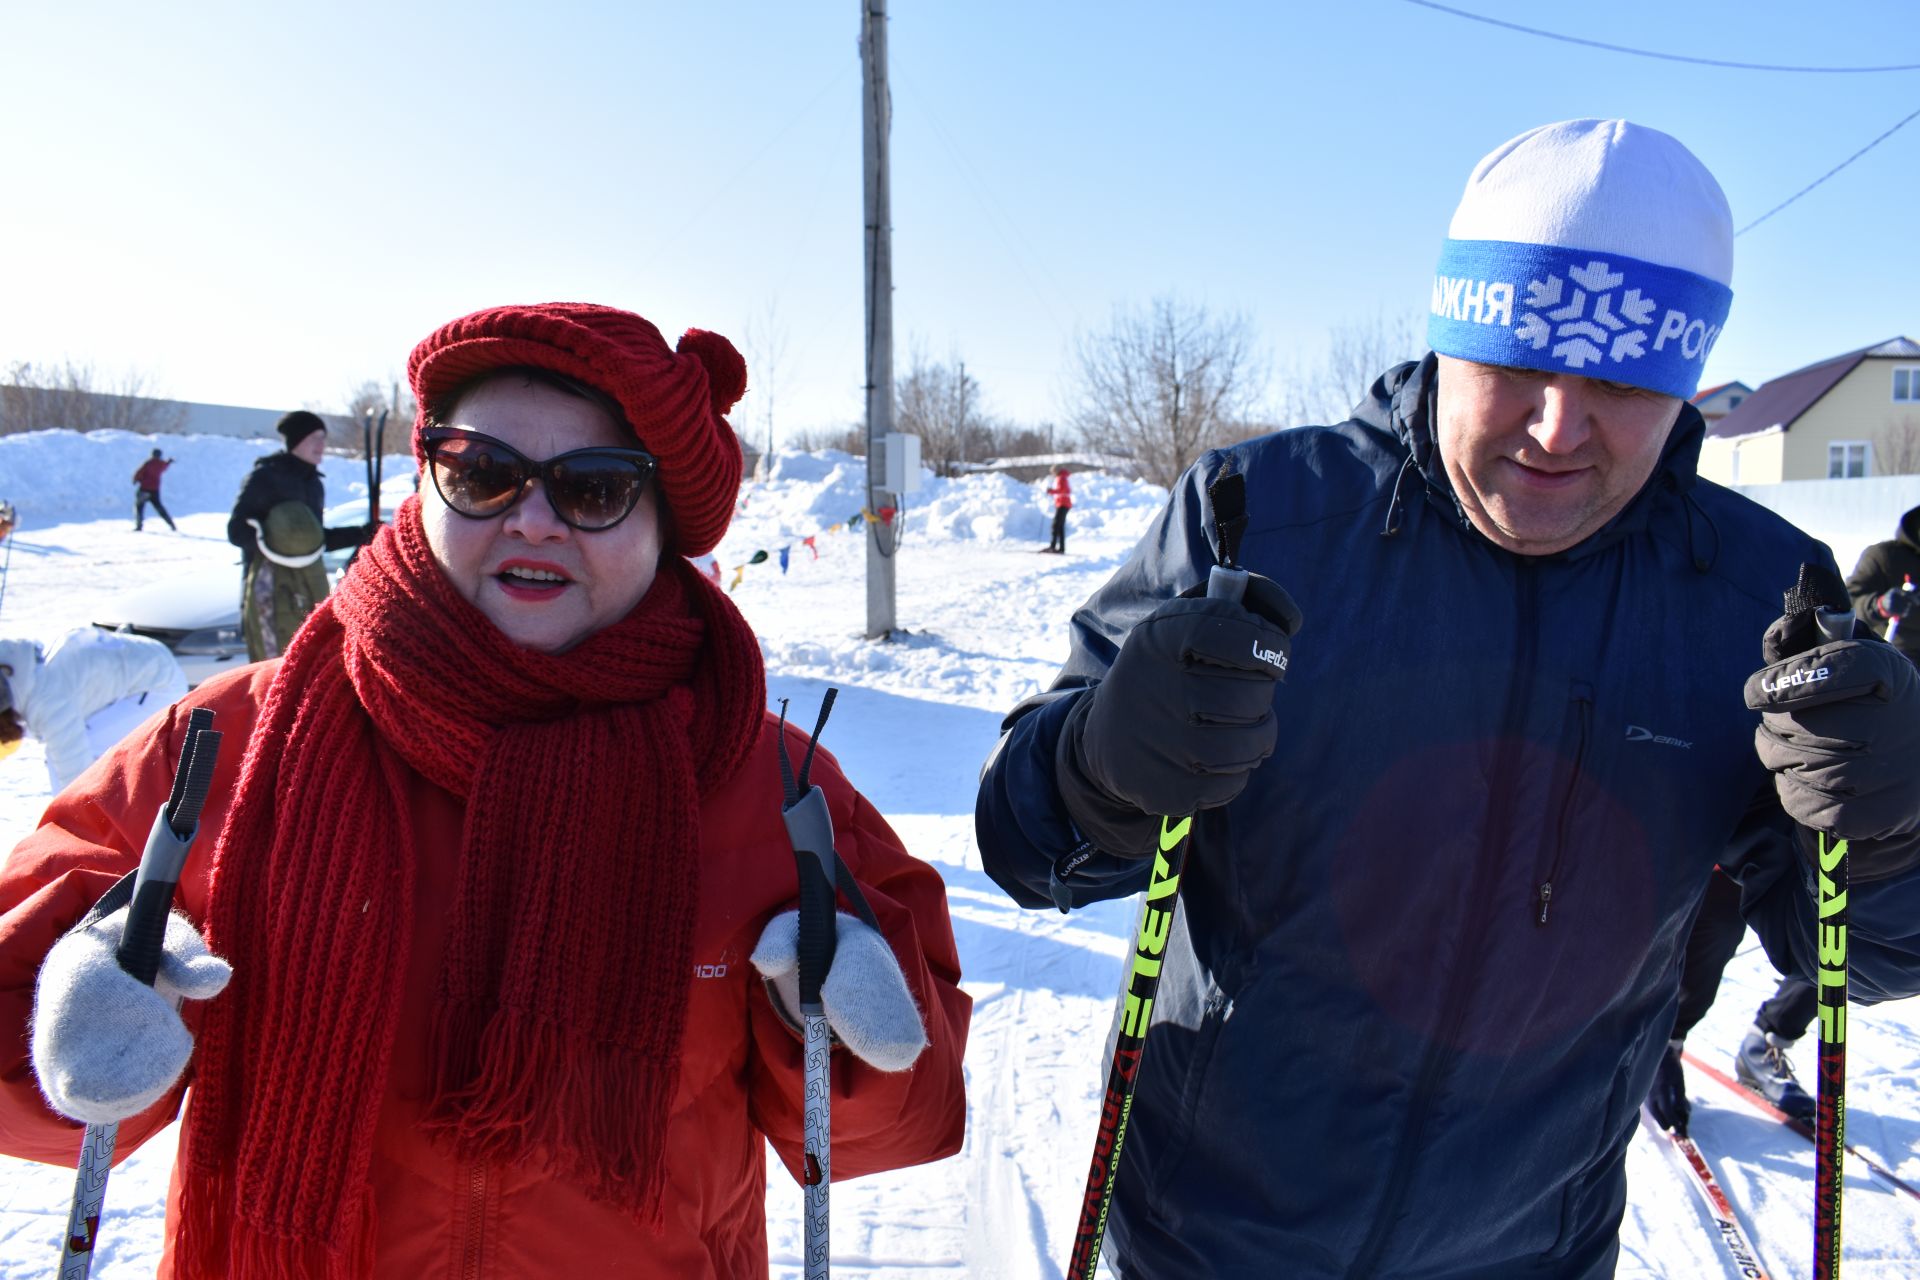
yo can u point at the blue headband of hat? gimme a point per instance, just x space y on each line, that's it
1600 315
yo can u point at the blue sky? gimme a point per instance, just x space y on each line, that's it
263 207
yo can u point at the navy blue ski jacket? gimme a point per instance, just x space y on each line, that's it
1425 964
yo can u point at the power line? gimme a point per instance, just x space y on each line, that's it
720 189
1828 174
996 215
1649 53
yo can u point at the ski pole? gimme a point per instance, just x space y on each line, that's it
1225 581
1830 1113
810 829
376 475
8 519
150 893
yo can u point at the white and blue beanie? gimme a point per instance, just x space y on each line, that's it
1595 247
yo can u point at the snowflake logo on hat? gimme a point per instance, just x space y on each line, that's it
1586 337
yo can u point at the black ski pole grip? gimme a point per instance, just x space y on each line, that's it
1226 584
166 853
146 932
1836 624
810 828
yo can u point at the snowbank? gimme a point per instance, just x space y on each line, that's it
805 494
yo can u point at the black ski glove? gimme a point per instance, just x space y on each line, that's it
1182 719
1840 728
1668 1101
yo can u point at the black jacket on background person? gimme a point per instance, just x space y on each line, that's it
1882 568
277 478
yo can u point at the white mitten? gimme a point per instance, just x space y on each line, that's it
105 1045
866 998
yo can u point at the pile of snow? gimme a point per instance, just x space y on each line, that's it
61 477
806 494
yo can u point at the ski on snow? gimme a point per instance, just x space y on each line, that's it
1802 1127
1733 1239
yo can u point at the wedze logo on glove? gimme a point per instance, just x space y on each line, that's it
1797 678
1269 657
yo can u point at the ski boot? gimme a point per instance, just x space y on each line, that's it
1762 1065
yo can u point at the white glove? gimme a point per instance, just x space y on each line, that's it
865 996
105 1045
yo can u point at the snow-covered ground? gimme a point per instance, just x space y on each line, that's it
983 626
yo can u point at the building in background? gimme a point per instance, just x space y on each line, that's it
1714 403
50 408
1847 417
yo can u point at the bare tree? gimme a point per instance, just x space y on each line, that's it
1013 440
941 404
1358 351
1896 447
851 438
72 395
764 347
392 396
1164 383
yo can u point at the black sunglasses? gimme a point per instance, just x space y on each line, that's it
589 489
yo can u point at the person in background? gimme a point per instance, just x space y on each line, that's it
1761 1062
83 695
285 581
292 475
1062 494
1879 585
492 938
146 489
1446 849
1881 595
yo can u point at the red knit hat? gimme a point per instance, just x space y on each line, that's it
674 399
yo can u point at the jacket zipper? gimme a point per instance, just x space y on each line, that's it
1454 1010
473 1239
1583 704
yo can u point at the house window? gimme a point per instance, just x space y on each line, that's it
1906 384
1734 399
1847 460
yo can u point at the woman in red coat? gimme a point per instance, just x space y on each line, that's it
493 874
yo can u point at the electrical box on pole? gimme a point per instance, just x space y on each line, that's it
901 464
876 121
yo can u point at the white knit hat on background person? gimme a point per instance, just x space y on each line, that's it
1596 247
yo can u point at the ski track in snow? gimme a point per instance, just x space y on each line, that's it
983 622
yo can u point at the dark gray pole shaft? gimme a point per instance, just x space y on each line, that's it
876 118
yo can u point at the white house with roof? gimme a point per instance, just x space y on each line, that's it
1847 417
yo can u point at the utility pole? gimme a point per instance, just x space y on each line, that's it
960 427
876 122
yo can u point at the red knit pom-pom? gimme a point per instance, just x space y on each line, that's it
726 371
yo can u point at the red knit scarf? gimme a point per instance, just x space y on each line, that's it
555 1039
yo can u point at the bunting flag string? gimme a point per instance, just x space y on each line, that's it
784 554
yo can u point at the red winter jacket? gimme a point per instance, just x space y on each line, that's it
148 476
740 1077
1061 492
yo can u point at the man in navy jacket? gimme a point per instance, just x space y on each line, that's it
1425 961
